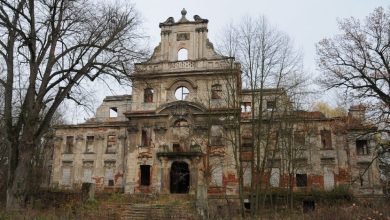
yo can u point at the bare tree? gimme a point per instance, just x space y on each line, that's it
268 60
48 48
358 61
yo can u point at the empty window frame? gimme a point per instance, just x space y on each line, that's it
216 169
364 174
69 145
274 178
66 173
301 180
362 147
89 144
145 137
299 139
216 135
145 175
113 112
111 144
148 95
216 91
246 107
247 173
326 139
247 144
109 173
87 171
271 105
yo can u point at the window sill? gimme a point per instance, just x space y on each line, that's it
89 153
110 153
327 149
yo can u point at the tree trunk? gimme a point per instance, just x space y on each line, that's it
19 175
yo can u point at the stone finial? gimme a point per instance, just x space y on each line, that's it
183 12
183 18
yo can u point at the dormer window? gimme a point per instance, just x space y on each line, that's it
148 95
182 54
216 91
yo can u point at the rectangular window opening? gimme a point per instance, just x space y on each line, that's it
301 180
109 173
362 147
111 144
216 91
326 139
216 136
247 144
69 144
145 175
271 105
89 144
113 112
148 95
246 107
145 139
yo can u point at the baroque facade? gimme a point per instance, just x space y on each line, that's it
188 124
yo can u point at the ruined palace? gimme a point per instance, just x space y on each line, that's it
189 126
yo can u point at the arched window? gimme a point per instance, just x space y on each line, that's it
216 91
181 93
148 95
182 54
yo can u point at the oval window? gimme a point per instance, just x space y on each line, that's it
181 93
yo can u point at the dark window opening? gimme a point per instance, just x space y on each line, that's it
326 139
271 105
113 112
69 145
110 182
246 107
247 144
216 91
148 95
145 175
176 147
301 180
180 178
111 144
145 139
362 147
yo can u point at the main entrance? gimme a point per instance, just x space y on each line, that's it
180 177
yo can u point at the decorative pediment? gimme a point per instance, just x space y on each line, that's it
181 108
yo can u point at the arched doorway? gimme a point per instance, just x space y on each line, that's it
180 177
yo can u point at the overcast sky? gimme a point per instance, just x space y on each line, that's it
305 21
